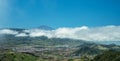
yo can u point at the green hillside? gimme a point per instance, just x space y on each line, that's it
13 56
108 56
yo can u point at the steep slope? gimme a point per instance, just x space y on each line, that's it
108 56
8 55
92 49
11 40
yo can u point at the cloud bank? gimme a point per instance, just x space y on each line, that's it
105 33
8 31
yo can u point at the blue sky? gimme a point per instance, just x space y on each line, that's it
59 13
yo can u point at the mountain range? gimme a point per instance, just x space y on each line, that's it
47 31
33 41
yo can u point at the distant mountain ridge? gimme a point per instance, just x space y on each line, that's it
82 47
44 27
28 32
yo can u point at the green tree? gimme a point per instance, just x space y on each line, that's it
70 59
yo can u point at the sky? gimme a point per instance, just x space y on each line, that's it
59 13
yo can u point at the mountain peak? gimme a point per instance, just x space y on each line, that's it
44 27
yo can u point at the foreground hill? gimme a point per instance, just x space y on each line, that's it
92 49
15 56
108 56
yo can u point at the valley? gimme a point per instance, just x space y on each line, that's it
43 48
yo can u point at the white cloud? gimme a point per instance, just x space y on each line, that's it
21 35
69 32
8 31
39 32
105 33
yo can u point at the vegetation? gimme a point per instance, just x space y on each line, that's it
11 41
15 56
70 60
54 49
108 56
